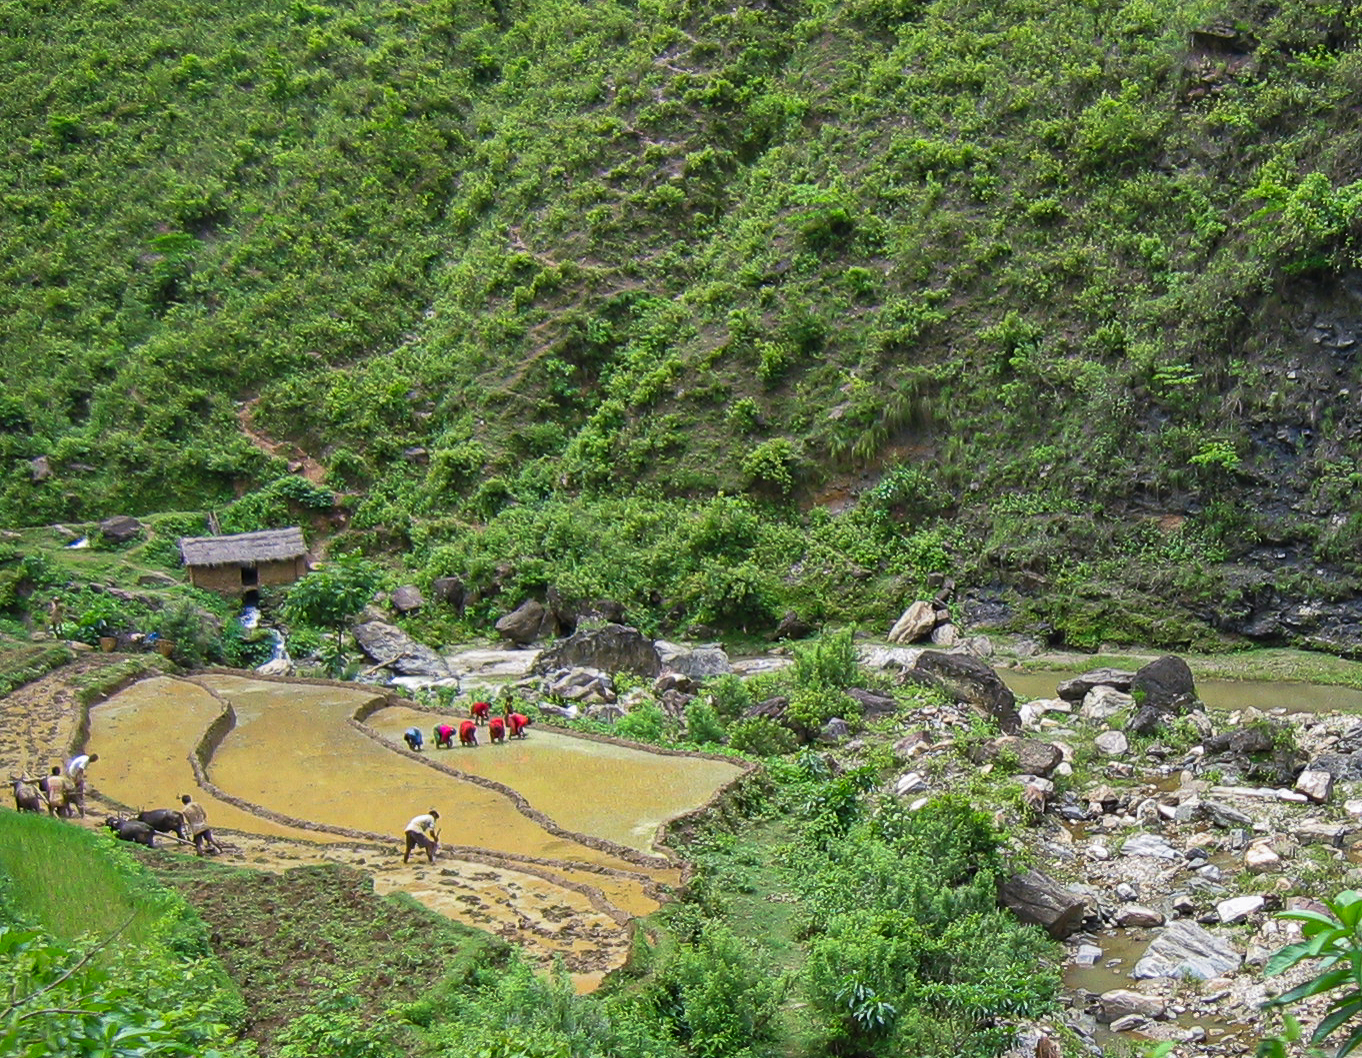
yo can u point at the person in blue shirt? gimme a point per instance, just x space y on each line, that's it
413 737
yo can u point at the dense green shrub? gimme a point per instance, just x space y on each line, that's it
761 737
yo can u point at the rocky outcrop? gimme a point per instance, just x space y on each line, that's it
1184 949
1036 898
585 685
968 680
702 663
611 648
521 626
119 529
403 655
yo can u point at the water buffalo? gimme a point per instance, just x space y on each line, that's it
164 821
468 733
27 796
132 830
497 729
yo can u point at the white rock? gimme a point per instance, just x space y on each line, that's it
913 782
1238 908
1103 702
1149 845
915 622
1321 833
1184 949
1260 857
1316 785
1123 1002
1112 744
1133 915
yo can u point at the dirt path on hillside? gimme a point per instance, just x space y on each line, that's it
298 460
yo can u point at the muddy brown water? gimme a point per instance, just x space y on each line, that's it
292 750
1121 950
1224 695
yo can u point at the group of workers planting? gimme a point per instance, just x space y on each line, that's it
420 833
499 729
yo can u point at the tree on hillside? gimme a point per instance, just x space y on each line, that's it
330 596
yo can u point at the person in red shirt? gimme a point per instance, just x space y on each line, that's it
444 736
497 729
480 711
468 733
518 722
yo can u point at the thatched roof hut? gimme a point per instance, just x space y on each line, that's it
242 562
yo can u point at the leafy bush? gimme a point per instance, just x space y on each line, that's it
644 723
828 663
761 737
718 995
702 722
729 694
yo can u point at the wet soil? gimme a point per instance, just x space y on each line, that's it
294 756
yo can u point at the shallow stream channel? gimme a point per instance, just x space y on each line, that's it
1121 949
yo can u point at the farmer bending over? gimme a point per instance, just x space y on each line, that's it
421 832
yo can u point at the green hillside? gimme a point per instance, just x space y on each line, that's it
1074 283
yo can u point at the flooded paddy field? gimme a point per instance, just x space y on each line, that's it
612 791
546 841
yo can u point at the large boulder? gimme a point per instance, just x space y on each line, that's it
702 663
873 703
792 626
449 590
610 648
119 529
1165 684
967 679
1184 949
407 599
521 626
403 655
1036 898
895 659
561 618
1076 689
917 621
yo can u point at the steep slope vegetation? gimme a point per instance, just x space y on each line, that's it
1078 278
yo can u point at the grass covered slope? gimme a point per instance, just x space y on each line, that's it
1069 261
96 957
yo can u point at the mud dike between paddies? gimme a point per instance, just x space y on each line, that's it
550 841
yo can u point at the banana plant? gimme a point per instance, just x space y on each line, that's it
1335 940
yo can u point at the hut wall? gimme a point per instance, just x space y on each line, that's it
285 571
224 579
